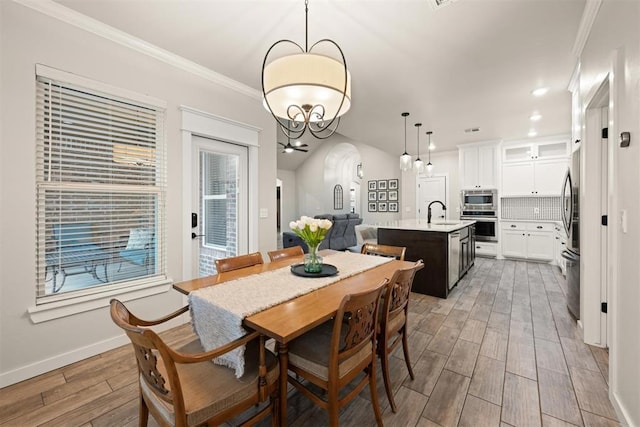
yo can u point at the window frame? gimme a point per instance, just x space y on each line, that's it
49 306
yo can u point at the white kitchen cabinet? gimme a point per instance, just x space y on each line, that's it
478 166
542 150
540 245
514 243
533 178
547 175
528 240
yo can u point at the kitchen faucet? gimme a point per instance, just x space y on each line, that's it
444 208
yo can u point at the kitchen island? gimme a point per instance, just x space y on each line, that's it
446 247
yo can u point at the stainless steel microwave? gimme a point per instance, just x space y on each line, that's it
479 200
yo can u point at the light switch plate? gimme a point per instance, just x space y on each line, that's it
623 220
264 213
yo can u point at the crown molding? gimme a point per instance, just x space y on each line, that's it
588 17
71 17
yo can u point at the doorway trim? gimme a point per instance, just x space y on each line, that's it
200 123
447 196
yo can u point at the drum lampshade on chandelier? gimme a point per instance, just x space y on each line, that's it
306 90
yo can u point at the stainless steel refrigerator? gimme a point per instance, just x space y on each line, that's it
571 220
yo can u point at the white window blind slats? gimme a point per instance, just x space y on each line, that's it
103 121
95 136
101 179
62 95
106 127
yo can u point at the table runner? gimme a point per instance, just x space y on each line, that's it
217 311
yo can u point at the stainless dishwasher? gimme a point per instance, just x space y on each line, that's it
454 258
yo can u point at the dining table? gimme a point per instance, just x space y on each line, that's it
288 320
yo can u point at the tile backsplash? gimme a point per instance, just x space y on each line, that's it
535 208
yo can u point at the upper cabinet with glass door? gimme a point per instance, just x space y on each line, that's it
534 168
536 151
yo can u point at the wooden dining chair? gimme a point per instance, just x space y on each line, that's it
285 253
331 355
393 322
182 387
237 262
396 252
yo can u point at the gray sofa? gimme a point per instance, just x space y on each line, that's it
341 235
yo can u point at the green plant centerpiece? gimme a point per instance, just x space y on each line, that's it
312 231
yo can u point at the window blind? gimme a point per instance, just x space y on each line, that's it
101 184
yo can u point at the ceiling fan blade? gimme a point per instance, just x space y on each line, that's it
300 149
302 145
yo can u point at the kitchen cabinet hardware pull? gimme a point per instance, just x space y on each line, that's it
539 226
513 226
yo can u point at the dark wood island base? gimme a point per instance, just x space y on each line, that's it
433 248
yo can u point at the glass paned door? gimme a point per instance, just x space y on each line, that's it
219 199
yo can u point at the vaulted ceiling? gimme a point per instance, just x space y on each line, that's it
471 63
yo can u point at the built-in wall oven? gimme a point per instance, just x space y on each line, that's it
481 206
486 226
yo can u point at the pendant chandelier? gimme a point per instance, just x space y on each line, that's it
429 165
306 90
418 165
405 159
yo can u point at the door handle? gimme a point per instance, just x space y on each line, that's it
194 235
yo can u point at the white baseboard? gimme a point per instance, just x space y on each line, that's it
623 415
34 369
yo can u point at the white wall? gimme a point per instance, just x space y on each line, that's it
616 29
315 190
444 163
28 37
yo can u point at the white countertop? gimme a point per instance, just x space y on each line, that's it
421 225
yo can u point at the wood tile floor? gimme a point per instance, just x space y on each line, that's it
501 351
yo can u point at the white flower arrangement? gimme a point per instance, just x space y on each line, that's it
311 230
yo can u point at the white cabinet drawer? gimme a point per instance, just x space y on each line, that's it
540 226
527 226
508 225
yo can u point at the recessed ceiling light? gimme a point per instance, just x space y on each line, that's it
532 133
540 91
432 146
535 117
